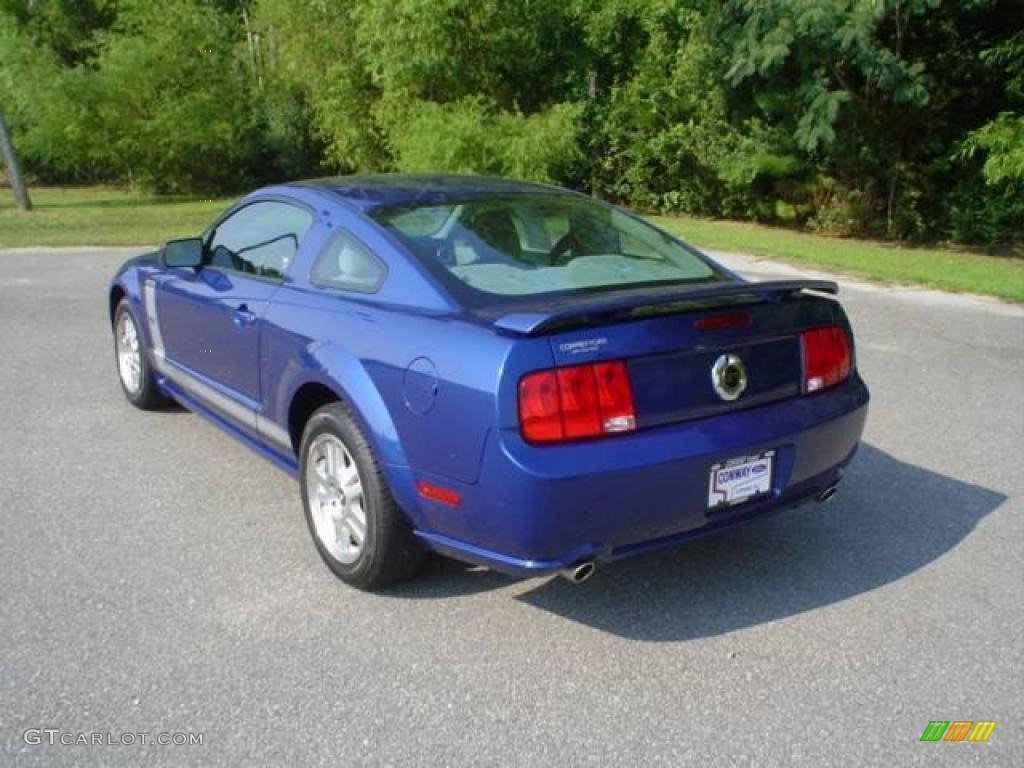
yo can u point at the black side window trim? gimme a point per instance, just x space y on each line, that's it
338 234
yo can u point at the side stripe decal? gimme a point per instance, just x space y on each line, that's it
149 305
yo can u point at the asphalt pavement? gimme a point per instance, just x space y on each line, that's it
157 577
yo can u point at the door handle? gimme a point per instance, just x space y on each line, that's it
243 316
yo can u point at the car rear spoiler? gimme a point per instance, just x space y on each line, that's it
534 323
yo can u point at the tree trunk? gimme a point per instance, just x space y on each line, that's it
21 197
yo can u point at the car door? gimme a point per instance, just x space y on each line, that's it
210 318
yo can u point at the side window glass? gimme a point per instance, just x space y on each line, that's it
260 239
346 263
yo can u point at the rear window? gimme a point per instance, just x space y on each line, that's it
531 245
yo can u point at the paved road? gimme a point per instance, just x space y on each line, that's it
156 576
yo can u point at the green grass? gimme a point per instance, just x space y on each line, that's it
101 216
949 270
106 216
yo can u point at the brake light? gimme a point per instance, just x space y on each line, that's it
826 354
718 320
576 401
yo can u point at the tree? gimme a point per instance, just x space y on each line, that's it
464 85
21 197
877 96
318 89
1003 138
899 118
171 107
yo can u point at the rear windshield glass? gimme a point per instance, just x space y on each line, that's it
540 244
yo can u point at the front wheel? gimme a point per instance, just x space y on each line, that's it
357 526
133 367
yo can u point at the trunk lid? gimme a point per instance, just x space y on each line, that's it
671 348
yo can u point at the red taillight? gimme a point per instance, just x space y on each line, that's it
826 357
576 401
614 397
540 414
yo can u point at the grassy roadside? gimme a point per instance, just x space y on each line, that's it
946 269
105 216
101 216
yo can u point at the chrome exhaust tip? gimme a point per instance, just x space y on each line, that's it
828 494
577 574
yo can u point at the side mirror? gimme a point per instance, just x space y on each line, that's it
187 252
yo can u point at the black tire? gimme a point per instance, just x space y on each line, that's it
390 551
147 396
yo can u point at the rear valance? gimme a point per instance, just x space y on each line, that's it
532 323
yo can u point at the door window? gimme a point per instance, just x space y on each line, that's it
260 239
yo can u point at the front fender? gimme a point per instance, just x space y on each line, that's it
128 281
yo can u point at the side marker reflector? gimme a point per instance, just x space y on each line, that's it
429 490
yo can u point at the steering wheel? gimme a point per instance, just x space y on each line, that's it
567 242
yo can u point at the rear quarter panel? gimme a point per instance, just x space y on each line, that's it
424 387
421 378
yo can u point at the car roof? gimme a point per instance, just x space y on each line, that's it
373 190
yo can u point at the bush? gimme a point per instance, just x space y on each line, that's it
986 214
473 136
901 120
173 106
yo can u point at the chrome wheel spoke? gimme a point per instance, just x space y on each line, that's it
354 494
322 517
342 537
319 463
331 453
356 523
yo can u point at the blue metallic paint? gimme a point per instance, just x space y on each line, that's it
525 508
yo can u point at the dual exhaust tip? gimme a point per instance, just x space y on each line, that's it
582 571
578 573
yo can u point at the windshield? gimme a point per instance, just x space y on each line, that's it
529 245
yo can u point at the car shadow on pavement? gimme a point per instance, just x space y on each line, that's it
889 519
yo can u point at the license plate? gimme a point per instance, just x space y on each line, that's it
740 479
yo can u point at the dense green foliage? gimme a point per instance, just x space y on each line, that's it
896 118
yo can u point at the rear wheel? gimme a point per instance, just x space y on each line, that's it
133 367
357 526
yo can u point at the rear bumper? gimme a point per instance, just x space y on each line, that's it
538 509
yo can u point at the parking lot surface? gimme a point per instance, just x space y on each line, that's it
156 576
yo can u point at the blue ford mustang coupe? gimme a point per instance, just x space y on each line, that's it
507 373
